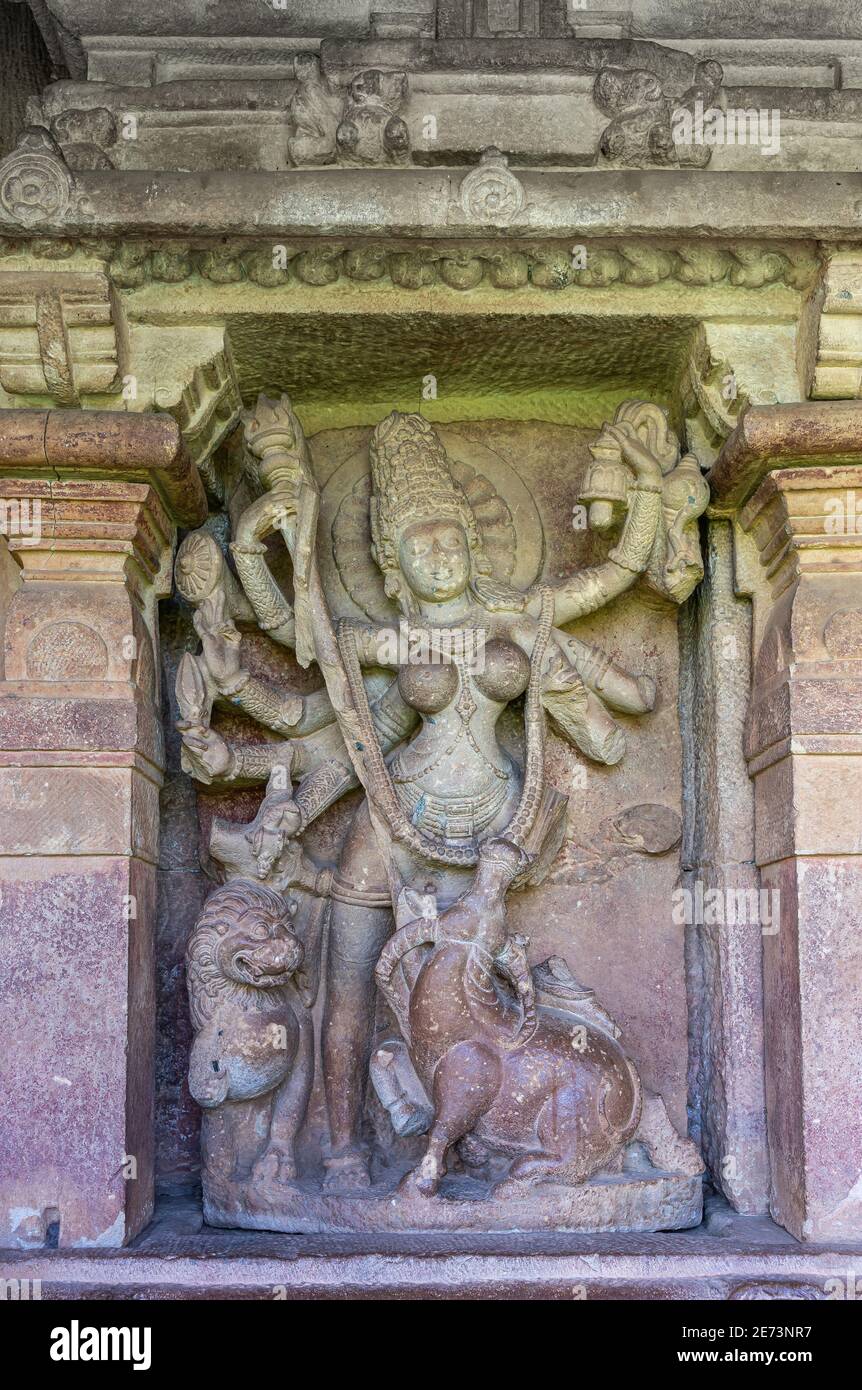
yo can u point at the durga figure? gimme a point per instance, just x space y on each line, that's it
453 816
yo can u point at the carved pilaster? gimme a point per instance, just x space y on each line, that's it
722 956
800 555
89 505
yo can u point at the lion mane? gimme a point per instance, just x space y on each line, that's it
249 910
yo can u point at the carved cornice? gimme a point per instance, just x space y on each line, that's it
410 201
509 265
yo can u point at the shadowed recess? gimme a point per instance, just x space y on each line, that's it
342 369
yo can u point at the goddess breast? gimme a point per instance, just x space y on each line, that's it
505 673
428 688
500 670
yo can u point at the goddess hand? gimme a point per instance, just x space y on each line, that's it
265 515
635 454
219 638
279 823
207 752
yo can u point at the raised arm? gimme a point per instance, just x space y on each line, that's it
272 610
284 712
319 760
590 589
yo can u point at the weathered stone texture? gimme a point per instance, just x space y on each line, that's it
723 958
78 1100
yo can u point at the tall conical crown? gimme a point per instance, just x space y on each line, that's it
411 481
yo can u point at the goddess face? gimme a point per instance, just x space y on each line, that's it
435 559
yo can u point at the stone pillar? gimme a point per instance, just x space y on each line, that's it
90 502
727 1105
803 744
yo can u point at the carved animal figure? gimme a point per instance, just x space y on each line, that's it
85 136
252 1058
639 132
558 1096
372 131
316 109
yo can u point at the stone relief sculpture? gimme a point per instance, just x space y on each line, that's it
373 131
85 137
360 126
643 109
316 110
516 1075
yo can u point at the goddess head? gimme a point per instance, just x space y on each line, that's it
424 533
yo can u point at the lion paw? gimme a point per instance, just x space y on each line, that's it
275 1165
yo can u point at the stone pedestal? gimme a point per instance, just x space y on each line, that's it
81 754
633 1202
803 744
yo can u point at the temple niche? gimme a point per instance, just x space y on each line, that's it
464 1083
429 647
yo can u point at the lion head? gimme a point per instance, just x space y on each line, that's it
243 942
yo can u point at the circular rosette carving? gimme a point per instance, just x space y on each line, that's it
198 566
67 651
494 491
842 635
491 193
35 184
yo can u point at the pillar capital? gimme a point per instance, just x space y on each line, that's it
807 521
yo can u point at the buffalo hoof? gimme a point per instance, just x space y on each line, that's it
420 1182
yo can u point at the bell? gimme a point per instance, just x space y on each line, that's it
606 485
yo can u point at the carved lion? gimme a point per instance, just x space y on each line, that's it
252 1054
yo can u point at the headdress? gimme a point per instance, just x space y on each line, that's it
412 481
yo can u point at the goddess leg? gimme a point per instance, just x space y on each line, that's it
360 922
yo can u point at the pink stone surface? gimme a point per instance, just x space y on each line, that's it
78 1101
80 753
813 983
42 806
